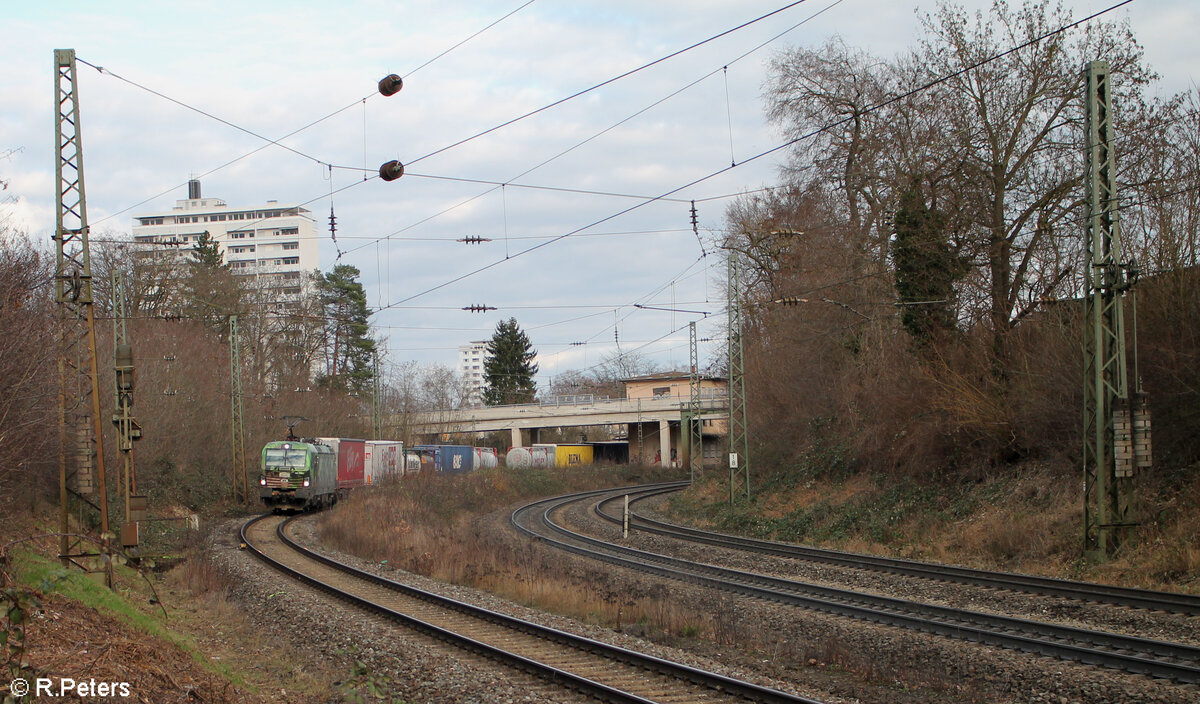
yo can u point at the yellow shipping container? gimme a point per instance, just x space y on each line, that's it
572 455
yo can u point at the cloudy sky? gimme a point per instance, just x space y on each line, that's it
271 68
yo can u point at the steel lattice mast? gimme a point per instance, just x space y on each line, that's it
739 435
81 444
376 401
1108 484
128 430
695 435
237 428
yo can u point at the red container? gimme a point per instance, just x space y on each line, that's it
350 466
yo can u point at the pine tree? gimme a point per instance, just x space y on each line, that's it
509 369
349 348
210 291
207 253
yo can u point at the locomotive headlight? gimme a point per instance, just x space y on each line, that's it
305 482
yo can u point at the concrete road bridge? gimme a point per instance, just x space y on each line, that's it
654 421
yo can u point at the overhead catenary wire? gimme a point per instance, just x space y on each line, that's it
608 81
277 142
617 124
809 135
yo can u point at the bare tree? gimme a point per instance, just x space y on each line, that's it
27 354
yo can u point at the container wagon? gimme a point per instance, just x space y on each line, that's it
566 456
350 455
541 456
485 458
382 459
445 459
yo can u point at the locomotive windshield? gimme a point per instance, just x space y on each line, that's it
295 458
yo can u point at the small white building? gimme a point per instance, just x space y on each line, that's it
471 359
276 244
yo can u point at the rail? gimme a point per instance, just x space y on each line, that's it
1156 658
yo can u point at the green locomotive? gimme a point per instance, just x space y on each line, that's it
298 475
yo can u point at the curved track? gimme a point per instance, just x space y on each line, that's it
1156 658
602 671
1083 591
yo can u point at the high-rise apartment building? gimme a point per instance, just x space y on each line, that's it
276 244
470 364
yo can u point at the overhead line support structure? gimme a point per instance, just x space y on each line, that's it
128 429
81 443
241 491
376 400
739 433
693 429
1110 457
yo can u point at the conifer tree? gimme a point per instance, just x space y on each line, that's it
349 348
509 368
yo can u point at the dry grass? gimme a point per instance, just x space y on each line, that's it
426 526
197 595
1022 518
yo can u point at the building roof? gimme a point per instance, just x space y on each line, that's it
672 376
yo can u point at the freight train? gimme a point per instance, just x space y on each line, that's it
314 473
299 475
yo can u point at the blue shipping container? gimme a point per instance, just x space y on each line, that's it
446 458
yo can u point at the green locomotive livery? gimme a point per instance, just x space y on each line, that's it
298 475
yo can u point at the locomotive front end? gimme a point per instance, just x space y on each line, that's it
286 480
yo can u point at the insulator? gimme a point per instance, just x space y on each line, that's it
478 308
391 170
390 85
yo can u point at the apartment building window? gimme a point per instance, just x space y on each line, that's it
289 260
289 231
291 245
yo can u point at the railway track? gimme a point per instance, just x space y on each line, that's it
1030 584
1173 661
601 671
